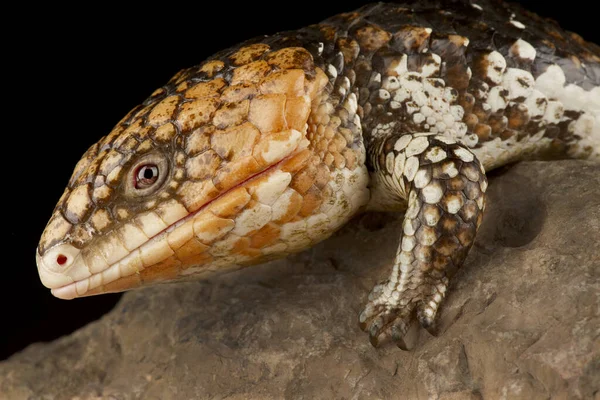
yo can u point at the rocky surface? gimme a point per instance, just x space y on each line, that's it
521 320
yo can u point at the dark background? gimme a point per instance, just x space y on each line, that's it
71 74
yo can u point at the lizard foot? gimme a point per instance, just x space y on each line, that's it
389 312
444 187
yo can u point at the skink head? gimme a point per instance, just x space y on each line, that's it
214 170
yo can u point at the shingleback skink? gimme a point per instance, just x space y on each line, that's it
268 147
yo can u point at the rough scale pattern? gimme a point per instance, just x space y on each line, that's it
268 147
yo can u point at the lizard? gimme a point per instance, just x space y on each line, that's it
268 147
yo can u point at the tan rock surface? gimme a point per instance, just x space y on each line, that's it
521 320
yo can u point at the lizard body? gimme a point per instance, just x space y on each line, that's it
268 147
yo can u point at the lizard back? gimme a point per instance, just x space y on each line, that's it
503 81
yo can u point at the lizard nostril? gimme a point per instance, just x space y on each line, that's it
61 259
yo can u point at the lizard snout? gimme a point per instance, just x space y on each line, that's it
61 265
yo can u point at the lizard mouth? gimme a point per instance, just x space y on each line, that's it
127 270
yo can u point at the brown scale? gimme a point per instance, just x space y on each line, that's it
455 68
411 39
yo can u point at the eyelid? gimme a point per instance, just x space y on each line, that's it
131 189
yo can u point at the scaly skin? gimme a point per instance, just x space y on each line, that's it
270 146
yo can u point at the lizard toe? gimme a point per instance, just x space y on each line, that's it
427 319
384 322
428 307
390 326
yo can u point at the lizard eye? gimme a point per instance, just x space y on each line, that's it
147 175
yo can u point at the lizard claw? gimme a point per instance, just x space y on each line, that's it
389 317
427 319
383 321
387 324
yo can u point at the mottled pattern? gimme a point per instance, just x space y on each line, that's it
270 146
523 90
444 186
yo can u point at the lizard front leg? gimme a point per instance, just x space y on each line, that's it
444 186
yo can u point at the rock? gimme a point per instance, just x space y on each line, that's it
521 318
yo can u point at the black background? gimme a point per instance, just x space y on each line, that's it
70 74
